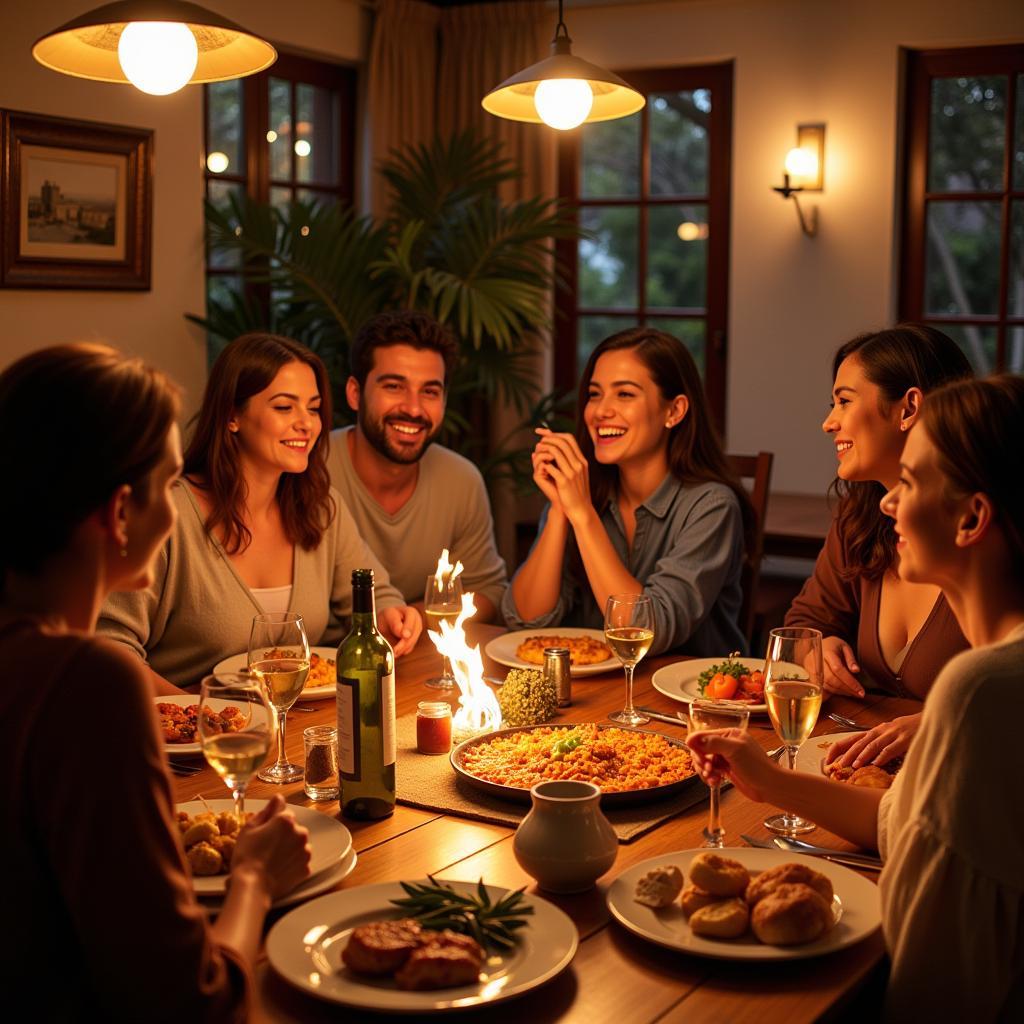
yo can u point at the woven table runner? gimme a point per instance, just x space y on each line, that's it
429 782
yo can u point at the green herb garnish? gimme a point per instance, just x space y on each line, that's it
493 925
565 745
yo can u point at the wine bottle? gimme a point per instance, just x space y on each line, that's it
366 710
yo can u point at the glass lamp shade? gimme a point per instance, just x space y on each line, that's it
515 99
87 46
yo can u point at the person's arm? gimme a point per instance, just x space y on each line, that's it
536 589
848 811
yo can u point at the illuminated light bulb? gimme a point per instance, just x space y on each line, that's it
271 136
157 57
217 163
688 231
563 103
302 148
802 164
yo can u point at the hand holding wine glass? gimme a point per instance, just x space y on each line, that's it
716 714
236 754
629 630
793 678
279 658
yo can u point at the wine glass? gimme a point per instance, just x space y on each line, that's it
279 658
629 630
234 701
442 602
793 690
716 714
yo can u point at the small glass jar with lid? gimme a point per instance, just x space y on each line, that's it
433 727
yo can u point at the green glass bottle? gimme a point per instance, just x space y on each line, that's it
366 710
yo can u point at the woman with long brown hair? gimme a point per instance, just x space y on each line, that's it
641 500
259 528
878 628
101 893
952 888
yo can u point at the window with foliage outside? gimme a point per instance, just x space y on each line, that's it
652 192
963 233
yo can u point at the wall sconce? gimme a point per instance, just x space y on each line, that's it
805 172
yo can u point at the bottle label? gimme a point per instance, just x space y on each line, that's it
387 707
348 728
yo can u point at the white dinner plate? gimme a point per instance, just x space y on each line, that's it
503 649
811 755
240 661
856 909
187 700
329 840
679 681
305 947
312 886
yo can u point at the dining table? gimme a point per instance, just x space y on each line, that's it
615 975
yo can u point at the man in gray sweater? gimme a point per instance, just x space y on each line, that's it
409 497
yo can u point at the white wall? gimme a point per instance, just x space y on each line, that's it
149 323
793 299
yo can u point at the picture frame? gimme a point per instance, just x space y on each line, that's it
76 203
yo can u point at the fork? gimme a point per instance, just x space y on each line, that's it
183 769
848 722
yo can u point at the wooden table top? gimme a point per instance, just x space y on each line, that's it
615 975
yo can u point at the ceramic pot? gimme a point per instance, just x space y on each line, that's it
565 842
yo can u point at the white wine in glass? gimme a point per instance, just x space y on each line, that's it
716 714
279 658
236 755
442 602
793 690
629 630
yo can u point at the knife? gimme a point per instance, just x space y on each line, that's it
661 717
854 860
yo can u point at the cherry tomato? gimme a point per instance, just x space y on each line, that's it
722 687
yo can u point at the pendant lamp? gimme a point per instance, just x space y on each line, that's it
563 91
156 45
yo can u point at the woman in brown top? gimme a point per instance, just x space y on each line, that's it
903 633
100 918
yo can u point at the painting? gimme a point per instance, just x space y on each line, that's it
75 204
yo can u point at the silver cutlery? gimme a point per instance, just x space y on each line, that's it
857 860
183 769
662 717
849 723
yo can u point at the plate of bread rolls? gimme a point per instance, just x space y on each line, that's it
745 904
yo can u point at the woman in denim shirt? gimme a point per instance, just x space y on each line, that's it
641 500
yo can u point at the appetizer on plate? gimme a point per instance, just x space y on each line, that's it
583 650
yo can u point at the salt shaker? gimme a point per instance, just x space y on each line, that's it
557 668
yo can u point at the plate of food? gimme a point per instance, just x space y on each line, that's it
630 766
321 682
731 678
745 904
360 948
811 758
589 655
178 714
209 829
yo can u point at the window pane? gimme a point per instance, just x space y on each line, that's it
591 330
220 288
313 195
677 252
690 332
978 343
962 260
279 129
1018 149
217 192
967 137
316 113
610 158
224 124
1015 285
608 261
1015 350
281 198
679 142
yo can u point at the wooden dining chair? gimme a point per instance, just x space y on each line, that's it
755 471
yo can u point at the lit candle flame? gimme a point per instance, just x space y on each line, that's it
446 572
479 711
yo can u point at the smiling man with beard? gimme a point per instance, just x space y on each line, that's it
410 497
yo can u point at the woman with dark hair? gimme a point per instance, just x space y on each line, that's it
953 884
878 627
641 500
102 894
259 528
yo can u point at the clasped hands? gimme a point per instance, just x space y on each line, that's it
561 472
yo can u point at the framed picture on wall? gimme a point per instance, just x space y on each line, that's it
75 203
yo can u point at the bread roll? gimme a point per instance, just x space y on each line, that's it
790 915
659 887
872 776
694 897
789 873
718 875
726 919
